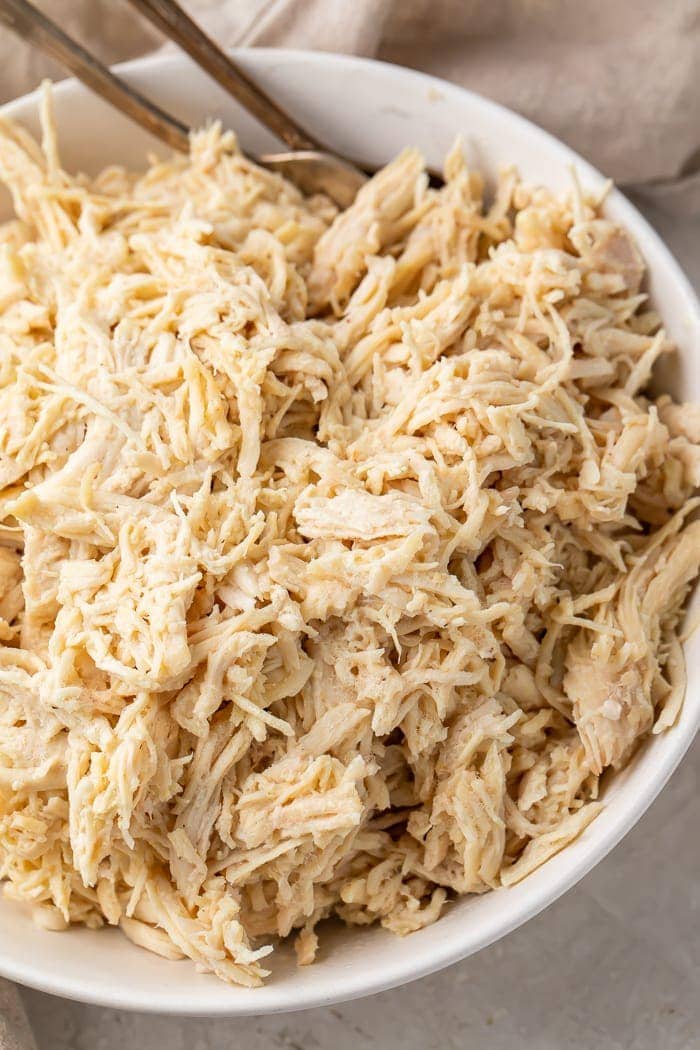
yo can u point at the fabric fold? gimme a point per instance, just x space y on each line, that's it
14 1028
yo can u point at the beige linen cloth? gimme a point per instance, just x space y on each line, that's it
14 1030
617 79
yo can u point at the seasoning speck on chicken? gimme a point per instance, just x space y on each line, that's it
340 554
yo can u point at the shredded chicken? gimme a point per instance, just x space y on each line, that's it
340 554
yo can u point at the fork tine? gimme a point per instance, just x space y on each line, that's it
33 26
173 22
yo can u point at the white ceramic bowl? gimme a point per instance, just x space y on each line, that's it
369 110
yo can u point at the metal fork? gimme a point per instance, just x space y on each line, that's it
306 162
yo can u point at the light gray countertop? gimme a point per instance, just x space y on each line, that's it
612 965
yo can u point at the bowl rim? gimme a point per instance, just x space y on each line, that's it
577 859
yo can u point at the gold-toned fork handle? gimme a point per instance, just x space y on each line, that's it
33 26
173 22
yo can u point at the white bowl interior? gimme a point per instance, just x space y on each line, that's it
369 110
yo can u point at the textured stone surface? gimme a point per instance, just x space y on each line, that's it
614 964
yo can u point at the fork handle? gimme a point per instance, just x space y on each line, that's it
173 22
33 26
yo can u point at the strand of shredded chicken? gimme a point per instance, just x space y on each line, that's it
341 553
